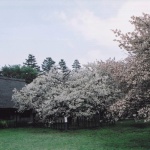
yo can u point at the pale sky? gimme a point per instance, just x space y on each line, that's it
64 29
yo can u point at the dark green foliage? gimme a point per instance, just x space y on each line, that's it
13 71
7 123
63 66
19 72
28 74
31 62
76 65
48 63
64 69
3 124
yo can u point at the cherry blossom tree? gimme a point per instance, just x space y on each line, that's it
137 43
87 92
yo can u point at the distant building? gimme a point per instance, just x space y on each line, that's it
7 108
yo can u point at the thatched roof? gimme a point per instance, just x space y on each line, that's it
6 87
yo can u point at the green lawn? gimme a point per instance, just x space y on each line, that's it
123 136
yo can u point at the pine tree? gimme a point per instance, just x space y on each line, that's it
65 70
63 66
31 62
76 65
47 64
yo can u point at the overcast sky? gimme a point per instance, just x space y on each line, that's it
64 29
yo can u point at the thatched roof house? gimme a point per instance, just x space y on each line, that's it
7 110
6 90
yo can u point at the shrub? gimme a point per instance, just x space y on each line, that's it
7 123
3 124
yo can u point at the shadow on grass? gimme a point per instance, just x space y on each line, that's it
140 125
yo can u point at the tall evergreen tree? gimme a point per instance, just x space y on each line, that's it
76 65
31 62
63 66
65 70
48 63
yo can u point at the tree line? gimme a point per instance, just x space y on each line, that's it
113 89
30 69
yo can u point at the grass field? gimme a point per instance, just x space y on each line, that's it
123 136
